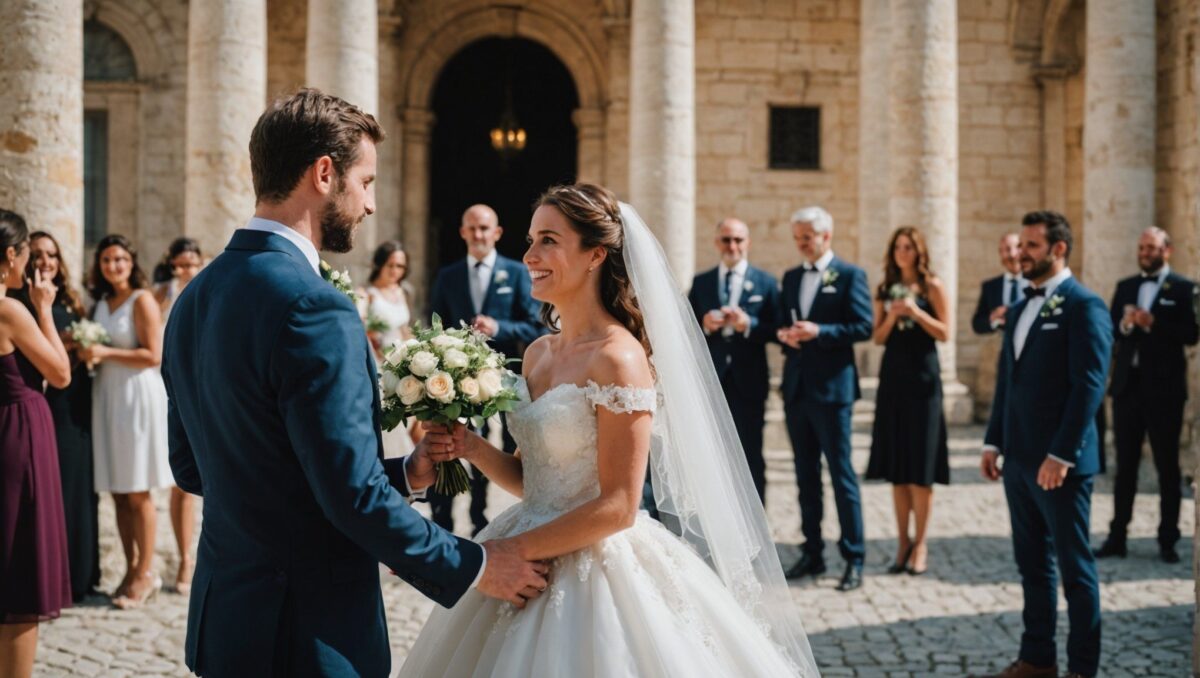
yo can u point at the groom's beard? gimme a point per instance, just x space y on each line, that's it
1039 268
337 225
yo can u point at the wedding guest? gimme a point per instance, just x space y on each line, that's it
997 295
387 320
35 578
737 306
71 408
490 293
1155 319
829 305
1052 372
183 260
129 409
908 438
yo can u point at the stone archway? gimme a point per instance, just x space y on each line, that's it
446 35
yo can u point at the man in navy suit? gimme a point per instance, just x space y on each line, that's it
828 305
490 293
273 417
1155 319
737 305
998 294
1052 373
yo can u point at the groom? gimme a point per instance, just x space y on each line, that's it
274 418
1051 380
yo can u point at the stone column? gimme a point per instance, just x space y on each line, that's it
226 93
616 112
418 126
589 125
923 139
41 118
662 126
874 210
1118 137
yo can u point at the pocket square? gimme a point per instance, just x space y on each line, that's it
504 290
1050 326
754 299
1167 302
828 289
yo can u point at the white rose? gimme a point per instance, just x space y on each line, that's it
494 360
469 388
455 359
445 341
398 350
410 389
490 384
423 363
440 387
388 381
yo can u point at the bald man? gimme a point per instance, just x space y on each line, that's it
997 294
490 293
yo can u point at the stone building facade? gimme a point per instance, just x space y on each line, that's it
954 116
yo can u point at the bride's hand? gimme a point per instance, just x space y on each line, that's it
442 444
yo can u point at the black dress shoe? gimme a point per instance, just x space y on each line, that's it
851 578
902 566
1168 554
1110 547
808 565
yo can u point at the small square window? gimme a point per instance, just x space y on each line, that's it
795 138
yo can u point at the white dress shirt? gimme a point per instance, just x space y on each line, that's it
307 248
1022 283
811 283
735 285
480 277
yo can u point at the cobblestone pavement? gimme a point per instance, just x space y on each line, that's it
962 616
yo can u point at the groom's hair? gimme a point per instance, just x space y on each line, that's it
1058 229
295 132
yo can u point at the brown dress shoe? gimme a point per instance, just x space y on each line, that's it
1020 669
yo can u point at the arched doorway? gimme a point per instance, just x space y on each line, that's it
468 101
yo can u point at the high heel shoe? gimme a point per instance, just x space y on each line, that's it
134 602
902 566
912 571
183 588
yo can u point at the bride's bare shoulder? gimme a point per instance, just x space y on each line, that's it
535 351
621 360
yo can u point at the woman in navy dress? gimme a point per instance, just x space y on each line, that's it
35 578
908 441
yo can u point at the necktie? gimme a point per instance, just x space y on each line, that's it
477 286
1013 288
725 286
1031 292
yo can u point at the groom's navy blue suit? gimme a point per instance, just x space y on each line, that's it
1045 405
274 418
820 385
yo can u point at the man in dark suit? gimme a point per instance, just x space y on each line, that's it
737 305
273 416
1155 318
490 293
829 308
998 294
1052 373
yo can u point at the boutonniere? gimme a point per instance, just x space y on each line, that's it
501 276
748 286
829 276
1052 306
340 281
1166 285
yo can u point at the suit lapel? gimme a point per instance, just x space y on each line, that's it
1063 290
818 298
487 294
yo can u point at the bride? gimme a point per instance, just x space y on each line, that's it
625 381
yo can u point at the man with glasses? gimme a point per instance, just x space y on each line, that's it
736 305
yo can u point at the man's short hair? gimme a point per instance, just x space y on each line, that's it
1058 229
822 221
1161 234
294 132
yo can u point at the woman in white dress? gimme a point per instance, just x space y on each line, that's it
129 409
626 596
182 261
387 318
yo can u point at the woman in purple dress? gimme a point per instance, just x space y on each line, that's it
35 578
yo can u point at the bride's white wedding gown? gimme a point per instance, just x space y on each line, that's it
639 603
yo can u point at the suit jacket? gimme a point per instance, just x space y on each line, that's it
273 416
823 369
507 300
991 297
741 358
1160 351
1046 401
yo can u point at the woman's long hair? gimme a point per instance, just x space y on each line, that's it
67 295
891 271
595 214
164 270
382 253
98 287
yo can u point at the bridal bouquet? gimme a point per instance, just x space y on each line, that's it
897 292
86 334
447 376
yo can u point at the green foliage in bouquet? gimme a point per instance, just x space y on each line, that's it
446 376
377 324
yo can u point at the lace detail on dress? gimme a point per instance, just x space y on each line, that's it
621 399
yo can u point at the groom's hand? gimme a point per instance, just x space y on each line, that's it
1052 474
438 445
510 577
989 465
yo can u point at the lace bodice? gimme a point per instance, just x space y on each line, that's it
557 437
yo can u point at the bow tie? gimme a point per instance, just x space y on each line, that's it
1031 292
809 268
1150 276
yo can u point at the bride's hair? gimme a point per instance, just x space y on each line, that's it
595 214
